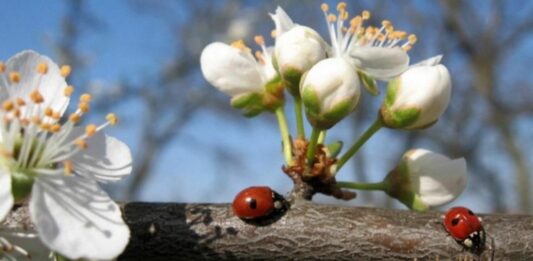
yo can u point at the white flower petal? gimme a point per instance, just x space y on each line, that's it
380 62
74 217
299 48
231 70
429 61
282 21
6 197
51 85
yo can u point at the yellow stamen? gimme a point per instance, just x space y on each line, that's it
55 128
259 40
65 70
17 113
85 97
341 6
84 107
239 44
366 15
36 120
356 21
407 48
386 23
324 7
332 18
2 67
56 115
74 118
68 90
273 33
25 122
48 112
112 118
36 96
68 167
8 105
90 130
45 126
42 68
260 57
344 15
20 102
14 77
412 39
82 144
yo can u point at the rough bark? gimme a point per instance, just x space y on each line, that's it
173 231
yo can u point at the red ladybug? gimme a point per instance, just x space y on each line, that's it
465 227
254 202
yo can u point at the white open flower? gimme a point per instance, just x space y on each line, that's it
418 97
426 179
297 49
57 164
330 91
232 69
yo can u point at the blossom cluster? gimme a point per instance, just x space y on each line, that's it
326 76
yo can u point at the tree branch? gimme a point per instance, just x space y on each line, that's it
170 231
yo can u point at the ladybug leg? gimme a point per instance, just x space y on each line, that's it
468 242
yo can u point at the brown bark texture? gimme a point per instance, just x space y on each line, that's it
307 231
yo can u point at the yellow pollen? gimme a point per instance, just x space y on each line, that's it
324 7
273 33
68 91
45 126
2 67
36 96
259 40
90 130
68 167
25 122
85 97
239 44
407 48
55 128
366 15
112 118
74 118
344 15
82 144
36 120
56 115
65 70
14 77
332 18
48 112
400 35
84 107
341 6
8 105
17 113
356 21
412 39
42 68
386 23
20 102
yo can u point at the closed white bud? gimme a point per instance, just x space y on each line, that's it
330 91
418 97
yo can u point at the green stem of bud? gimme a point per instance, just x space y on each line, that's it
377 125
362 186
285 136
311 149
299 116
322 137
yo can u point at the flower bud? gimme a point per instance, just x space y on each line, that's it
424 179
418 97
330 91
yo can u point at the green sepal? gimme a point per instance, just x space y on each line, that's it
400 118
245 100
291 79
369 83
337 113
311 102
398 185
333 149
21 184
273 96
392 89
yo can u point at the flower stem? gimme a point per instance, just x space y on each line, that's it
284 131
322 137
311 149
362 185
359 143
299 117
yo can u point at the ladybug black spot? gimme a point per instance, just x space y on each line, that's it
252 203
455 221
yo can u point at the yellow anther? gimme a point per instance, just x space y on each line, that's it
14 77
36 96
407 48
56 115
239 44
90 130
356 21
324 7
341 6
68 167
85 97
260 57
400 35
259 40
366 15
17 113
45 126
112 118
273 33
84 107
386 23
82 144
68 90
48 112
55 128
8 105
65 70
20 102
74 117
412 39
381 37
42 68
36 120
2 67
344 15
25 122
332 18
